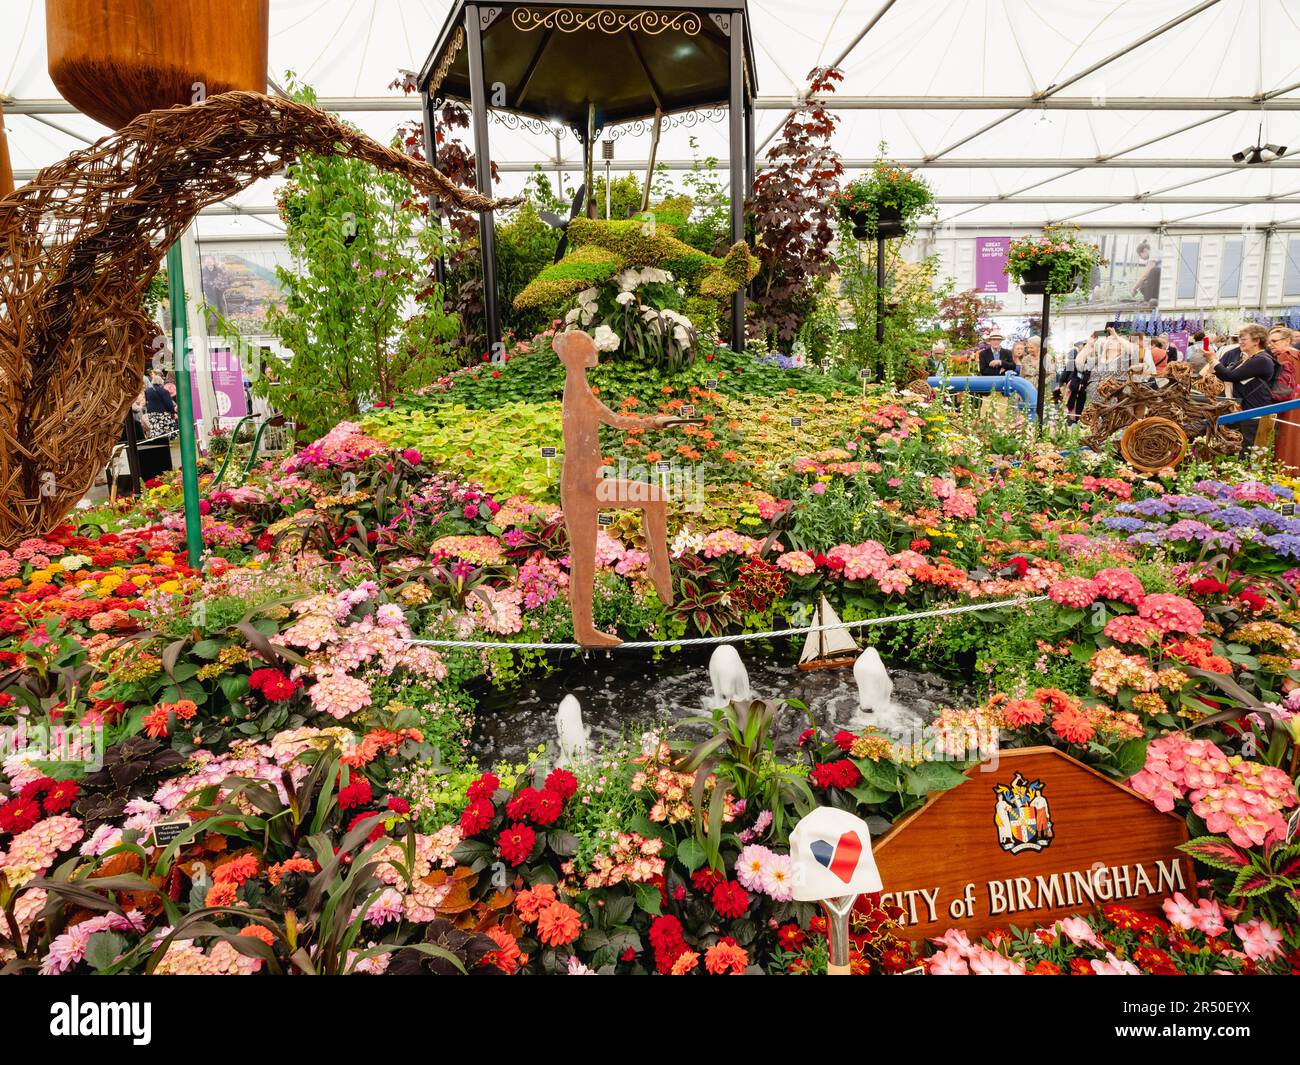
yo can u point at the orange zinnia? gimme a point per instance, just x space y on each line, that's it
558 924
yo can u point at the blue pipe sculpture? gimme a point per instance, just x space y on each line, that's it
1007 384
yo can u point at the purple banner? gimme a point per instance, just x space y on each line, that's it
1179 340
227 382
991 263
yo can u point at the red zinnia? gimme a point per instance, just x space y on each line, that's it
516 843
521 806
476 817
730 899
18 816
358 793
61 796
562 782
546 807
484 788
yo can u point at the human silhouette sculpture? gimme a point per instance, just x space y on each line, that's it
584 492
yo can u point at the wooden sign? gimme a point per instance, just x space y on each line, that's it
1040 837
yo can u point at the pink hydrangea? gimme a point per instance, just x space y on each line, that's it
1075 592
1120 585
1172 613
339 695
800 563
1127 628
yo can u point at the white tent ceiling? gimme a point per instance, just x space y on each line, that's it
1149 88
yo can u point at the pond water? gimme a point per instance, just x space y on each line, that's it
627 692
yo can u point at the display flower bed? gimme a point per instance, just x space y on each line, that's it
273 706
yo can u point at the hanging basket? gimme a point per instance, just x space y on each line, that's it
1036 278
889 224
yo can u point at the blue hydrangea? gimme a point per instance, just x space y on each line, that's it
1127 525
1285 544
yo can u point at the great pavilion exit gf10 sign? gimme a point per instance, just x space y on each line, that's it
1040 836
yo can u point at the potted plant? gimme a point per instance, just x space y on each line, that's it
1055 262
884 202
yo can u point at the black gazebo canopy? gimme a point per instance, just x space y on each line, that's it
588 67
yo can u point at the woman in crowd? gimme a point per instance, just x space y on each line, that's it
1111 356
160 408
1250 370
1286 446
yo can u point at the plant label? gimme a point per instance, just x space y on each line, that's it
548 452
1288 510
796 423
166 832
663 465
604 519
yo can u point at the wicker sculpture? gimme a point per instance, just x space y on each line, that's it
1149 417
80 245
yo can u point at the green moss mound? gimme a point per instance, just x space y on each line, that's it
600 248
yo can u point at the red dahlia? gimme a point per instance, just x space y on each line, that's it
476 817
18 815
358 793
484 788
562 782
546 807
730 899
516 843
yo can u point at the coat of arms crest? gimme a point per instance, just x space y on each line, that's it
1022 816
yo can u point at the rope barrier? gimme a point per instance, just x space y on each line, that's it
639 645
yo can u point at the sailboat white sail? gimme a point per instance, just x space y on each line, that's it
827 641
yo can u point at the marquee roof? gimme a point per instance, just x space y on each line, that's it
1106 112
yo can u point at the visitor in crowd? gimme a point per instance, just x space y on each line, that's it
1170 351
1160 356
159 407
1198 350
1065 370
1286 443
994 359
1110 355
938 357
1033 355
1249 369
1017 358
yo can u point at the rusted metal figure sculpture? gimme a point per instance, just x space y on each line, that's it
584 492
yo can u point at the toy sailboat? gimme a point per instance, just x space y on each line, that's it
829 648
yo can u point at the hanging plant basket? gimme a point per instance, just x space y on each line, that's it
889 224
1036 280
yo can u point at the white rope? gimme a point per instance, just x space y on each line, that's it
637 645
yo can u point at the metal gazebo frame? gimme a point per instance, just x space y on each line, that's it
513 58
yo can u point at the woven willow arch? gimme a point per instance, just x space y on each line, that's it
78 248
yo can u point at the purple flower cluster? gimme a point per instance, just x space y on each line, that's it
1219 516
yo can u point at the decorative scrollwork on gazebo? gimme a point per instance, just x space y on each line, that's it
454 46
568 20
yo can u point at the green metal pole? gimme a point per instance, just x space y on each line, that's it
184 405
